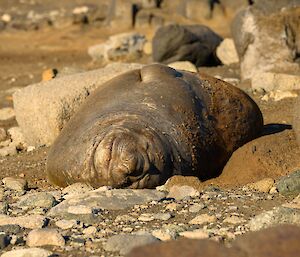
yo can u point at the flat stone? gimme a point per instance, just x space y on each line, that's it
66 224
202 219
90 231
41 199
279 215
182 192
295 204
16 184
145 217
115 199
163 234
32 252
278 95
77 189
11 229
80 209
234 220
195 234
27 221
197 207
226 52
263 185
7 113
272 81
45 236
183 65
162 216
289 185
168 232
125 243
9 150
125 218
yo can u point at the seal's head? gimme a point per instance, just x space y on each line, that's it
135 158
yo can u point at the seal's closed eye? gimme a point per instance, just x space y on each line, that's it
124 158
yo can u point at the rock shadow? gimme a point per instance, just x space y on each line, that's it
274 128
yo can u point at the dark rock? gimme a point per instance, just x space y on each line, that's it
4 240
194 43
289 184
11 229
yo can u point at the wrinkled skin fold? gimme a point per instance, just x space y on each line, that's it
144 126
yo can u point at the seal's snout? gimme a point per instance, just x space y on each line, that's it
126 158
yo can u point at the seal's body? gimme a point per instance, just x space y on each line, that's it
146 125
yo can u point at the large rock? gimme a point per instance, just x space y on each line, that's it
43 109
279 215
194 43
31 252
266 36
124 46
289 185
226 52
271 81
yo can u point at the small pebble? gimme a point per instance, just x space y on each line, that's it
66 224
202 219
16 184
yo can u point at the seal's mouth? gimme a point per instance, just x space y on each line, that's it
129 158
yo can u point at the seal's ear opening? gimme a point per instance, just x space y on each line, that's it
130 158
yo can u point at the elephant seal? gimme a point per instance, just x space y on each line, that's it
146 125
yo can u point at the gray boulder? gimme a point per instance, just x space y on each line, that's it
43 109
124 46
267 37
194 43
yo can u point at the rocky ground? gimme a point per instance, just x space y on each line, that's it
253 192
